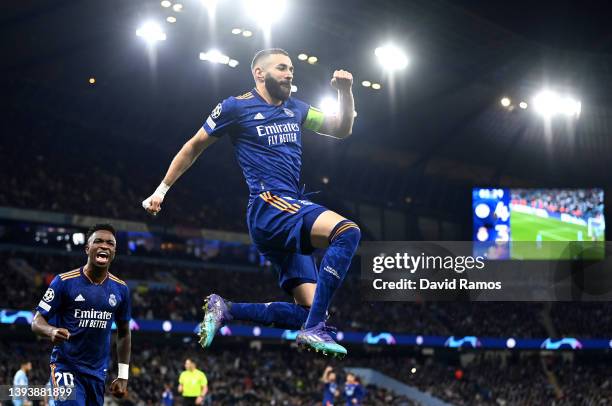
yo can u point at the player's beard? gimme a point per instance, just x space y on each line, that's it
276 88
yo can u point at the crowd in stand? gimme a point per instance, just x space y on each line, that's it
243 374
496 378
104 176
582 203
177 293
238 376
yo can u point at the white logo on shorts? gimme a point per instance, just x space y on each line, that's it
49 295
331 271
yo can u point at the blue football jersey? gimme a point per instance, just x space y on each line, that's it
87 310
354 394
267 140
329 394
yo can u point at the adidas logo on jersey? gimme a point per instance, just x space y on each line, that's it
258 116
79 298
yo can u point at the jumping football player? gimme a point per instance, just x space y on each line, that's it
76 313
265 126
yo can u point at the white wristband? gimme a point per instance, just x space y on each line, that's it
124 370
162 189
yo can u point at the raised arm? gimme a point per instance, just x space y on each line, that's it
188 154
340 125
325 376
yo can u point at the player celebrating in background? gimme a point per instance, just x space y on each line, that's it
353 391
331 387
76 314
265 126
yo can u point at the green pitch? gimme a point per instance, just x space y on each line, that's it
526 227
554 235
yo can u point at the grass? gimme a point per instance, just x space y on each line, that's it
556 239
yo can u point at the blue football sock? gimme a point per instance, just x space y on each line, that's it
344 240
279 314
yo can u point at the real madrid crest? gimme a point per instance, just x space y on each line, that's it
112 300
289 112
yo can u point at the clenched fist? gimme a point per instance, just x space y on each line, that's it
152 204
118 388
59 335
342 80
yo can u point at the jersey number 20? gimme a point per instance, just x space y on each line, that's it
68 378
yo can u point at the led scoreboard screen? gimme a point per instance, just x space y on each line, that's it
547 217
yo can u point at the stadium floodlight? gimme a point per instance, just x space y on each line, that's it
366 83
302 57
265 12
413 370
376 86
215 56
171 19
391 57
325 180
329 106
92 80
247 33
211 8
523 105
236 31
312 60
548 103
166 3
505 101
178 7
151 32
233 63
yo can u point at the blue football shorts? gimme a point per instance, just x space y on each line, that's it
280 228
89 389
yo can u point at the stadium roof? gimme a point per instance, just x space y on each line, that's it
440 116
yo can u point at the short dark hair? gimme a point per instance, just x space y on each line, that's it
265 52
100 226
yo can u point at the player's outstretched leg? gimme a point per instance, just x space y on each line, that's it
216 314
277 314
343 242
